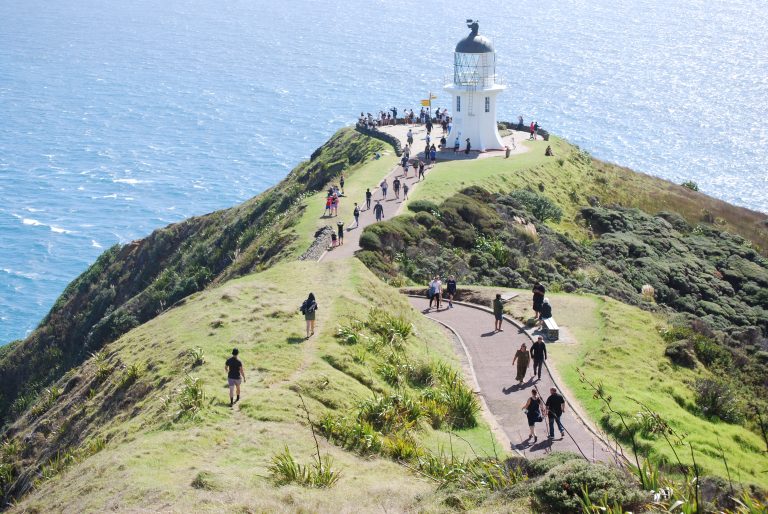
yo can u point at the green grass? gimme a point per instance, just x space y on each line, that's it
620 346
154 457
367 175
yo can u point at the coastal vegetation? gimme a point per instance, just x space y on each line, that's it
116 402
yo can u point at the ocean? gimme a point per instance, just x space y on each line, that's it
120 117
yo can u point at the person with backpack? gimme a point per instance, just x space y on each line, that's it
396 187
539 355
356 214
235 375
368 196
308 309
555 407
532 409
378 210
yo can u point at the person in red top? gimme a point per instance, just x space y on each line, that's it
533 132
328 205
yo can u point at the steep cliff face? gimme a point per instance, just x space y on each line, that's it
131 284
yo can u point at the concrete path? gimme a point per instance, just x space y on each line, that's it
392 205
490 356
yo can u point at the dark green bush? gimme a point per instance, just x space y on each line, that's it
559 490
681 353
538 467
538 205
423 206
370 241
716 398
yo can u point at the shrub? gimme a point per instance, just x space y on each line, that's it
423 206
681 353
540 206
190 398
559 491
370 241
690 184
198 357
715 398
538 467
285 470
401 446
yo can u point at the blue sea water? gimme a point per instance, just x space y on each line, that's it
119 117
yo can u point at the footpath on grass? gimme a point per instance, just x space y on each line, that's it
490 356
393 205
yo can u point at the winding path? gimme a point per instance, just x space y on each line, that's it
489 356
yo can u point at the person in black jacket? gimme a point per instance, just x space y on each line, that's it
538 298
539 355
546 310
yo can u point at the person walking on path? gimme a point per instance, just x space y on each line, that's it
368 196
498 313
406 166
405 191
450 290
378 210
235 375
523 359
468 148
421 170
438 291
356 214
532 410
396 187
384 186
539 355
409 137
340 232
538 298
308 309
431 293
456 145
432 155
555 406
341 184
334 241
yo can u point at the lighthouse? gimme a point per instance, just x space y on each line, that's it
474 90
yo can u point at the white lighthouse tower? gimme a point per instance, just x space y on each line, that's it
474 91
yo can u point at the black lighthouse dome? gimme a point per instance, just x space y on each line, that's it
474 43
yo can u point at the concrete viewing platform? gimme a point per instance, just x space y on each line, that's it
513 140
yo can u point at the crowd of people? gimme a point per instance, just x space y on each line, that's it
386 117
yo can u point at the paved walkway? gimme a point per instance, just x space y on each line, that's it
392 205
490 356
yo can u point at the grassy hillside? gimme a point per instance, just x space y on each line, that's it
152 459
118 400
131 284
622 347
573 179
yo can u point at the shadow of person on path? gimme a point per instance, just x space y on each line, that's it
489 334
295 339
544 444
511 389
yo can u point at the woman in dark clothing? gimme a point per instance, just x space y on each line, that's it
532 410
308 309
546 310
523 360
